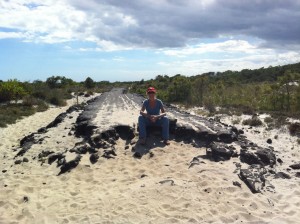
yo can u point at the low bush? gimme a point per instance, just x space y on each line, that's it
247 110
255 121
210 107
268 120
41 106
29 101
38 104
57 101
57 97
280 121
90 92
294 128
40 94
236 121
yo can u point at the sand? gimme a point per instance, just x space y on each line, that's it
158 188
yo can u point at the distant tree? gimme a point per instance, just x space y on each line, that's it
180 89
274 95
89 83
59 82
199 87
286 81
298 97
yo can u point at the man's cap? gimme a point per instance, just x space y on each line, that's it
151 90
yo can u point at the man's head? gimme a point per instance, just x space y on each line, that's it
151 90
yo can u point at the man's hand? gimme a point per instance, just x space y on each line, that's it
153 118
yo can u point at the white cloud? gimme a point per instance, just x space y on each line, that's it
55 21
152 24
49 21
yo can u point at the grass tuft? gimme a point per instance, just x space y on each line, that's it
10 113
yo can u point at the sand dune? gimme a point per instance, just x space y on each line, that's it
161 187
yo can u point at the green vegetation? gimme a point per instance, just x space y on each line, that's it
272 90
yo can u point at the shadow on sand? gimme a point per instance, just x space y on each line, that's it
152 142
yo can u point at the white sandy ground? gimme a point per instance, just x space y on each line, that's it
128 190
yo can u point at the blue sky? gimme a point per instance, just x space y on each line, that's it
132 40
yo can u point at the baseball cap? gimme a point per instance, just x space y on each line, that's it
151 90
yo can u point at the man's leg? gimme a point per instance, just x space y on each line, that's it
164 123
165 127
142 127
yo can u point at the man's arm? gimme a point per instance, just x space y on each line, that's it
163 112
142 111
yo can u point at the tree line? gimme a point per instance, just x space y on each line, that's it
54 90
273 89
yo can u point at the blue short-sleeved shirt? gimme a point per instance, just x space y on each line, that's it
156 109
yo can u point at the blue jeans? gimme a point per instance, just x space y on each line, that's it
162 122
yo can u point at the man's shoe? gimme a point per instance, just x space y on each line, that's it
167 142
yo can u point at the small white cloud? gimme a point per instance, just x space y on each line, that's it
66 47
118 59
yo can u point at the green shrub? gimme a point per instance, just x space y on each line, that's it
209 105
294 128
247 110
29 101
57 101
58 96
38 104
40 94
268 120
255 121
41 106
280 121
236 121
90 92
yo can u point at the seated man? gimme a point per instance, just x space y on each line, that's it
153 116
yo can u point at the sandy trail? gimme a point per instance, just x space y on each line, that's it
158 188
